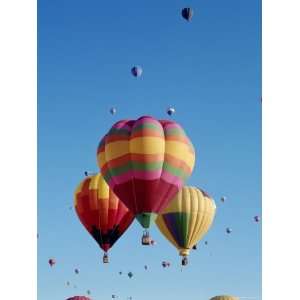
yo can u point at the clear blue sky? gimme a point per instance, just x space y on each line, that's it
210 71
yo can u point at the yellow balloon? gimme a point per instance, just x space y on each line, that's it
225 297
187 218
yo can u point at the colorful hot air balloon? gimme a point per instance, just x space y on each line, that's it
187 13
225 297
79 298
136 71
146 162
187 219
100 211
52 262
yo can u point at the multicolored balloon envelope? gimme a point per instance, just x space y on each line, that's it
100 211
79 298
146 162
187 219
225 297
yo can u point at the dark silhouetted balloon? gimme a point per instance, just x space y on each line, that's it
136 71
187 13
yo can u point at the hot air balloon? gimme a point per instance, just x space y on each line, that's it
113 110
114 296
88 292
51 262
223 199
257 219
136 71
76 271
225 297
228 230
146 162
206 242
171 111
79 298
146 267
153 243
187 13
187 219
68 283
101 213
165 264
130 274
120 273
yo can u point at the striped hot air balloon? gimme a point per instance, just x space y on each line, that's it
100 211
187 219
79 298
146 162
225 297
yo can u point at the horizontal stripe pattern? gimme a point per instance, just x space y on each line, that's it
104 216
149 150
187 218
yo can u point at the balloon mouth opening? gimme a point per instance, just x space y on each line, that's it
184 252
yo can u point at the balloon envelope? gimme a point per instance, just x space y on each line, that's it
79 298
187 218
146 162
187 13
225 297
136 71
104 216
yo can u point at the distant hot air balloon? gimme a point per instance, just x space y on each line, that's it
51 262
76 271
165 264
146 267
113 110
153 243
130 274
206 242
187 219
187 13
171 111
228 230
120 273
114 296
146 162
223 199
256 219
88 292
136 71
79 298
100 211
225 297
68 283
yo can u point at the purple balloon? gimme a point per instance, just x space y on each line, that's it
136 71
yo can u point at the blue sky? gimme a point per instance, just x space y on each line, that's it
210 71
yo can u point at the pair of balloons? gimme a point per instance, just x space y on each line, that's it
144 163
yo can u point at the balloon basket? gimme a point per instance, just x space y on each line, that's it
105 259
184 261
146 239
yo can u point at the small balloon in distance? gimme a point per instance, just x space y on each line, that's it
257 219
228 230
113 110
187 13
136 71
171 111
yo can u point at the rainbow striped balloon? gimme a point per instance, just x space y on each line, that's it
187 218
146 162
